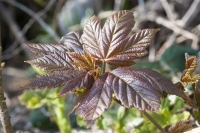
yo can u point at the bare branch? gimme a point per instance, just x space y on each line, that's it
160 20
4 115
36 17
7 53
168 9
190 14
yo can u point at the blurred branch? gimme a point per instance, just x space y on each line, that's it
166 45
4 115
55 19
170 25
23 32
14 29
190 14
168 9
141 6
117 5
36 17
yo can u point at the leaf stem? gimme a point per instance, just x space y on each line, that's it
103 67
154 122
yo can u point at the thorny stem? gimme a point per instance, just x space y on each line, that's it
154 122
5 118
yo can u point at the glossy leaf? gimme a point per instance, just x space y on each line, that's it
141 88
180 127
83 60
98 99
44 49
84 81
83 56
116 29
52 80
72 41
54 62
188 77
91 37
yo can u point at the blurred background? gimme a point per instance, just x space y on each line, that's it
46 21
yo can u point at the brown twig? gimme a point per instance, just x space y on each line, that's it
4 115
14 29
168 10
13 50
36 17
162 21
190 14
55 19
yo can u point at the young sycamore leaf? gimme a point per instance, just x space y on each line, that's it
180 127
76 64
188 77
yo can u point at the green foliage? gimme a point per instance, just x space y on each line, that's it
124 119
35 99
38 118
173 58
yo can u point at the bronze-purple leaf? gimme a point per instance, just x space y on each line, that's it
116 29
53 62
44 49
180 127
83 56
141 88
72 41
84 81
98 99
91 37
83 60
52 80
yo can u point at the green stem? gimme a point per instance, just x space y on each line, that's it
62 121
154 122
103 67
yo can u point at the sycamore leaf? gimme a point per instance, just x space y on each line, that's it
188 77
83 60
141 88
44 49
52 80
131 48
58 61
98 99
72 41
91 37
113 43
115 30
180 127
84 81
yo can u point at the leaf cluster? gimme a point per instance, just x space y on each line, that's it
78 63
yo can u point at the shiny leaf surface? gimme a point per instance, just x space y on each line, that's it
44 49
141 88
72 41
54 62
91 37
98 99
52 80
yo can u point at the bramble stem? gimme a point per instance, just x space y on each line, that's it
154 122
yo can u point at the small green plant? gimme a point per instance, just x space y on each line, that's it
56 107
80 64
